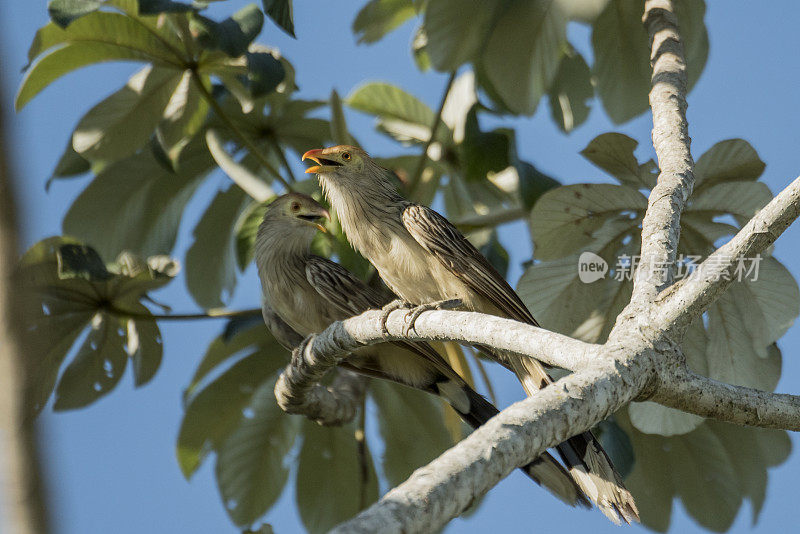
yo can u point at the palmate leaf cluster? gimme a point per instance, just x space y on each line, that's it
208 97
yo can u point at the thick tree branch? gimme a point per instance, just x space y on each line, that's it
661 223
693 393
692 296
443 489
298 390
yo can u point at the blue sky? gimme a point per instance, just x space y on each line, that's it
111 467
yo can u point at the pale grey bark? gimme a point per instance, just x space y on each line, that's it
641 359
661 224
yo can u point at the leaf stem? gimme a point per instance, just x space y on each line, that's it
251 147
423 158
213 314
282 156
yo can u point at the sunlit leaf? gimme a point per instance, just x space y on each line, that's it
63 12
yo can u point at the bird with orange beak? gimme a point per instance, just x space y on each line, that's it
425 260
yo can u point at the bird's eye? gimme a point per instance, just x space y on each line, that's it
295 206
346 156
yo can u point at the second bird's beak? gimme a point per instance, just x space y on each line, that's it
322 164
314 217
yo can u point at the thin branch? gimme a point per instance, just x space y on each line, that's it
251 147
661 223
692 296
277 147
693 393
447 486
423 158
490 220
211 314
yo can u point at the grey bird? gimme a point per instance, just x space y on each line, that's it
425 260
305 293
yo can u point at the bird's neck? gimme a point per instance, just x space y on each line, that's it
366 214
281 256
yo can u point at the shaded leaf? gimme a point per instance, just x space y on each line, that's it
613 152
411 426
329 485
211 260
264 73
136 204
732 160
571 88
234 34
281 12
122 123
63 12
454 39
214 413
379 17
251 469
246 231
521 70
93 38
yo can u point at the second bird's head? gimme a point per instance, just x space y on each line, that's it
295 213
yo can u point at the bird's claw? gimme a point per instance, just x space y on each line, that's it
397 304
414 313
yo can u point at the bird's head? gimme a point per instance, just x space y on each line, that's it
342 160
296 211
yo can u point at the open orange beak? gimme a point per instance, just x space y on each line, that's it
314 156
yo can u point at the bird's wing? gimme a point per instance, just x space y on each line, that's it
341 288
352 296
439 237
282 332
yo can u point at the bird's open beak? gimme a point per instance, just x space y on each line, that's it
322 164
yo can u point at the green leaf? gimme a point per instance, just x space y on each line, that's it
70 164
339 132
571 88
329 485
146 348
281 13
93 38
63 12
652 418
154 7
97 367
211 260
136 204
622 54
251 468
264 73
379 17
70 288
521 70
617 444
568 219
246 231
122 123
215 412
533 183
732 160
183 117
234 34
454 39
484 152
394 107
737 198
412 428
613 152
